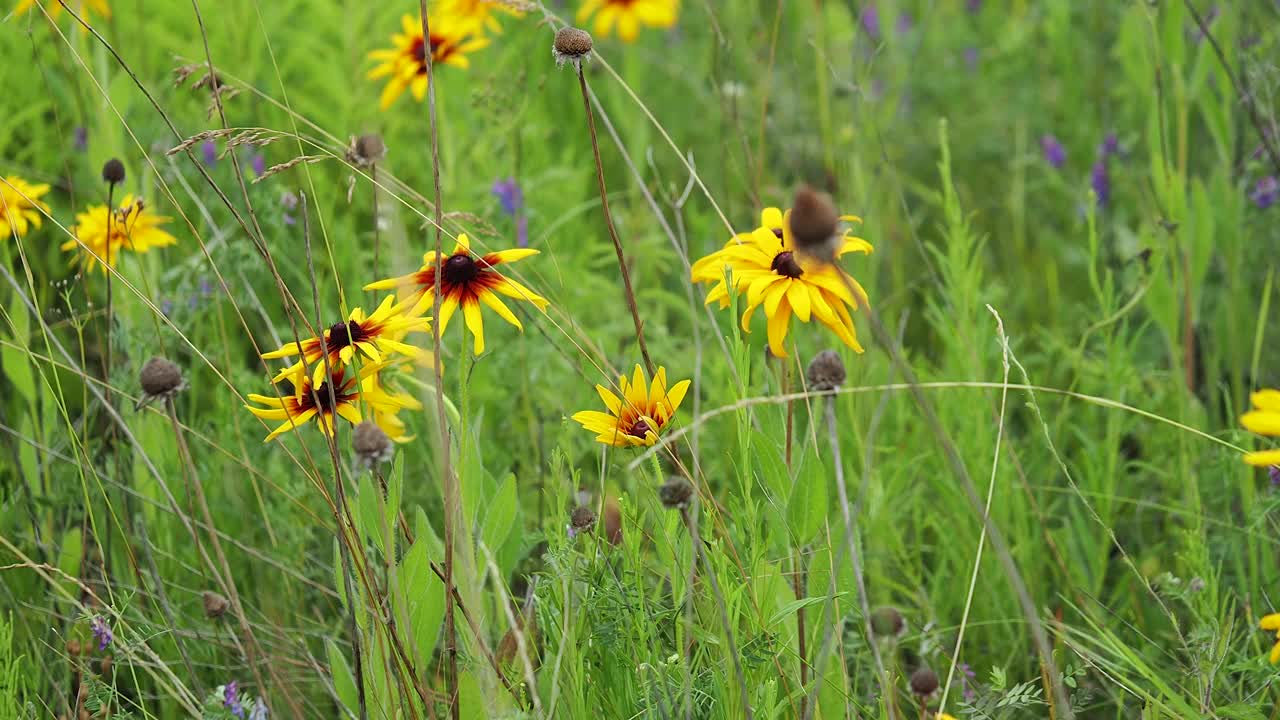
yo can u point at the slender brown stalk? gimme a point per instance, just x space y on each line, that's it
446 472
608 221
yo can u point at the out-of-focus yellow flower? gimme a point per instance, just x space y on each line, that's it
466 281
405 65
54 8
640 415
628 16
20 207
132 227
765 266
1263 419
1272 622
479 15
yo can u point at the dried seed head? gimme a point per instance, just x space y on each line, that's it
814 223
371 444
366 150
675 493
113 172
160 379
581 520
215 605
924 682
826 371
571 46
887 622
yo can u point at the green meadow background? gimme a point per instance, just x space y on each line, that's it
1130 328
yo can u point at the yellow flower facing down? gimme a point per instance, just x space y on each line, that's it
374 337
20 207
765 266
628 16
1263 419
405 65
315 402
133 227
1272 622
640 415
478 15
466 281
54 8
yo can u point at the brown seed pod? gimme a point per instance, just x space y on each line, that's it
371 444
826 371
675 493
215 605
814 223
160 379
113 172
571 46
924 682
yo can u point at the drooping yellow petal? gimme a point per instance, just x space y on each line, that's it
1263 422
1263 458
1266 400
1270 622
475 323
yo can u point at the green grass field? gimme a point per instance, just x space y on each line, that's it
1026 499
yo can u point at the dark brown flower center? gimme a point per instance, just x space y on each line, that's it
640 429
343 334
784 263
460 269
321 399
439 51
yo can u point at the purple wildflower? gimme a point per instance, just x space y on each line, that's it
231 699
166 307
967 676
509 195
870 19
973 6
101 632
904 23
81 138
209 152
1266 192
1054 153
1100 181
288 201
1110 146
971 57
258 163
522 232
259 711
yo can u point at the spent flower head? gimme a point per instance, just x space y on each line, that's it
573 46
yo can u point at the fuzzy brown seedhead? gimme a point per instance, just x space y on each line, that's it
571 46
160 380
815 223
825 372
582 519
924 682
675 493
366 151
371 444
215 605
113 172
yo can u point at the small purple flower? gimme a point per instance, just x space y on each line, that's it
209 152
1273 473
258 163
967 676
101 632
509 195
206 289
522 232
1266 192
971 57
870 19
904 23
973 6
81 138
1100 181
1054 153
1110 146
231 699
288 201
259 711
166 307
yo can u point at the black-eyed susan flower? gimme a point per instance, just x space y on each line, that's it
1272 623
132 227
466 281
640 415
629 15
478 15
20 207
372 336
323 402
1263 419
101 7
765 266
405 65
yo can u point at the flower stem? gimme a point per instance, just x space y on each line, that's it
608 221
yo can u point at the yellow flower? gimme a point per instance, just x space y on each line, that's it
765 265
1272 622
313 402
133 227
629 15
374 337
20 207
642 413
1264 419
943 716
405 66
466 282
55 8
478 15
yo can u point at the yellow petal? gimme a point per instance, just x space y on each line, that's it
1266 400
1270 622
778 324
611 401
1263 422
1263 458
475 323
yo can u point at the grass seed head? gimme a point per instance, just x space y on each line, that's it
571 46
113 171
814 223
826 371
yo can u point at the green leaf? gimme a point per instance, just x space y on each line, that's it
502 512
1241 711
338 583
17 365
790 608
419 598
807 507
344 683
69 561
370 518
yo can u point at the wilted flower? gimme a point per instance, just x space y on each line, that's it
572 45
1054 153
